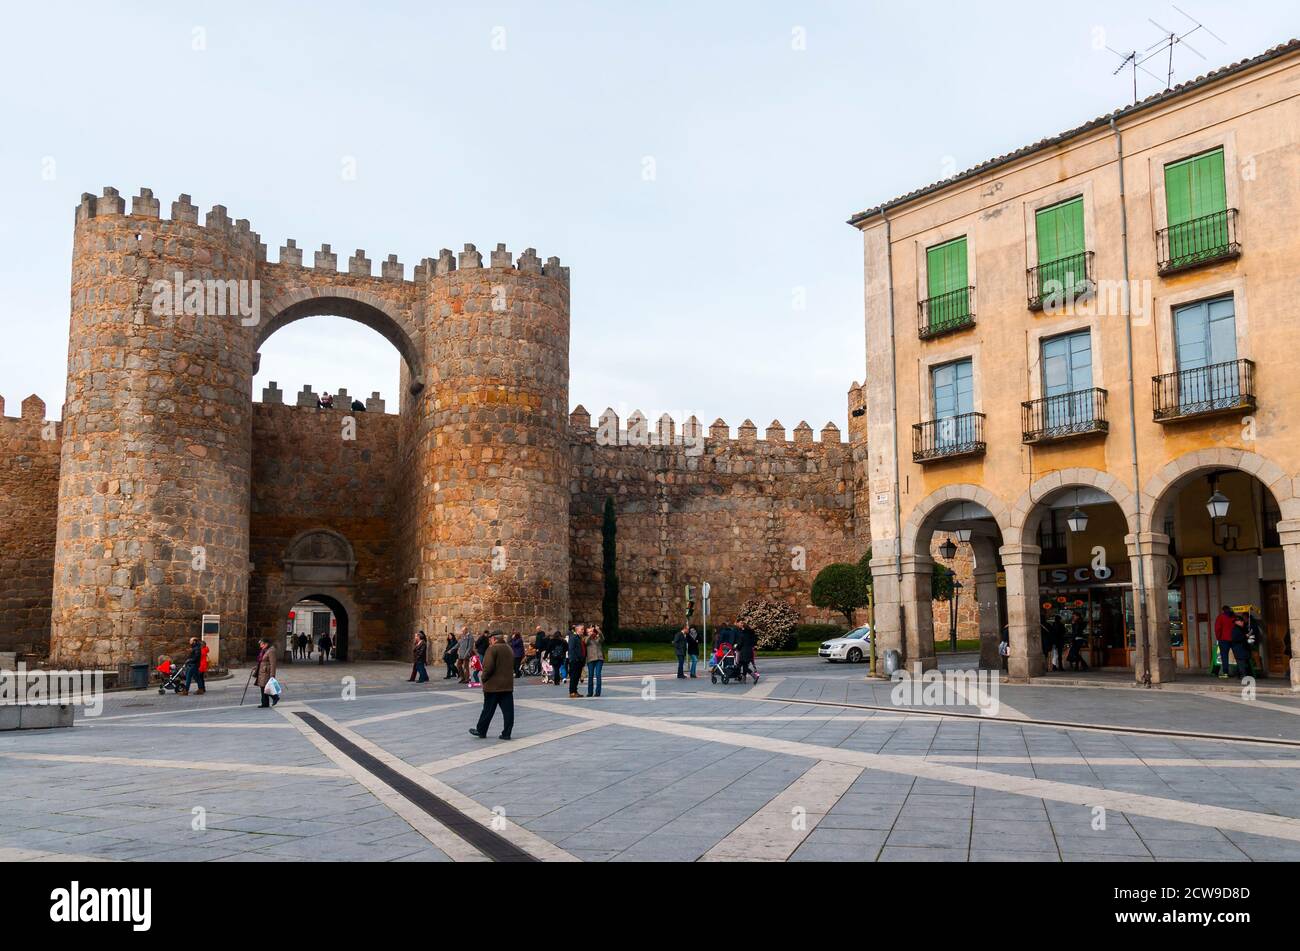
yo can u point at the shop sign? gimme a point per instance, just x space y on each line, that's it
1002 579
1199 566
1084 575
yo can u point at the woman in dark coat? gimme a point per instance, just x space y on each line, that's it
449 653
517 649
265 671
419 657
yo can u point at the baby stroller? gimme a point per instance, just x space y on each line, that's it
726 664
174 680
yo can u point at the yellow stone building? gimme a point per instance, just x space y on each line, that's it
1083 357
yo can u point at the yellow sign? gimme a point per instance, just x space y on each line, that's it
1243 609
1002 579
1199 566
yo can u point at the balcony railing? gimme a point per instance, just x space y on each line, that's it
1060 282
1219 388
948 437
1197 242
1068 415
945 313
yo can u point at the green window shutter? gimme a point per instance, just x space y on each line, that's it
1195 187
1060 231
945 274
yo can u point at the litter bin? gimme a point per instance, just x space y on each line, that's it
893 660
139 676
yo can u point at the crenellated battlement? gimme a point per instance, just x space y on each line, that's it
307 398
183 211
692 435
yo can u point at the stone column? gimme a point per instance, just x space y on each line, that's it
918 613
1290 532
1023 610
887 629
985 591
1153 642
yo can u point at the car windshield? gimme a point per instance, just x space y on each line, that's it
856 635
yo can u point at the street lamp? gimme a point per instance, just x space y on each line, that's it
948 550
1217 506
963 534
1077 520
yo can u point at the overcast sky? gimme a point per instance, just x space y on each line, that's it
693 163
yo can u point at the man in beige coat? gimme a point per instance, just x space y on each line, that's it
498 687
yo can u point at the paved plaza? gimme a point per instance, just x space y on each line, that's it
815 763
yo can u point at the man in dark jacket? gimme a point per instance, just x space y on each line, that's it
679 648
193 672
746 641
576 659
498 688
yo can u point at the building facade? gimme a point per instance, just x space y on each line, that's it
1079 359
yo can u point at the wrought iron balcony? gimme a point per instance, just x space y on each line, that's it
948 438
945 313
1061 282
1066 416
1199 241
1205 391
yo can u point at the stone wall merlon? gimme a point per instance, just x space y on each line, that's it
665 432
272 395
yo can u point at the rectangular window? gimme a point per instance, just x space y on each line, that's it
1061 263
953 396
1205 335
1196 203
1067 380
947 279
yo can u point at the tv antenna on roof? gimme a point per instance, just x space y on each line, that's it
1136 59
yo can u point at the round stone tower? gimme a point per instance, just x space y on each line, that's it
493 456
154 484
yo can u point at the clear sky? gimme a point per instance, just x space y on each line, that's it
692 162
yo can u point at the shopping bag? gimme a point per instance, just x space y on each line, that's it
273 688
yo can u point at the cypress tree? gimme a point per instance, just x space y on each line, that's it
609 554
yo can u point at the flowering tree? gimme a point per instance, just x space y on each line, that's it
772 621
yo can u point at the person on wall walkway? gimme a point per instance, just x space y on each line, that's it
498 688
419 657
265 670
576 658
595 659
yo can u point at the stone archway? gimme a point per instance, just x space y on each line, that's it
1025 554
905 607
1165 487
337 301
346 613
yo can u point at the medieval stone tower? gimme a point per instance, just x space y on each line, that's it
157 443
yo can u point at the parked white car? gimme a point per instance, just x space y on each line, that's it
852 647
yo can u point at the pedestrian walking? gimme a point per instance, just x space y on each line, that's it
449 654
1241 645
419 657
1078 638
498 688
575 659
558 649
323 642
693 649
265 670
517 651
595 659
464 650
747 642
1223 626
194 668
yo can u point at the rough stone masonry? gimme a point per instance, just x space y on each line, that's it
167 493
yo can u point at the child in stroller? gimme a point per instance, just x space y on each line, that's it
173 677
725 663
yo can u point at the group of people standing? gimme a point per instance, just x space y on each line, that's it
1236 635
302 646
568 657
1062 646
